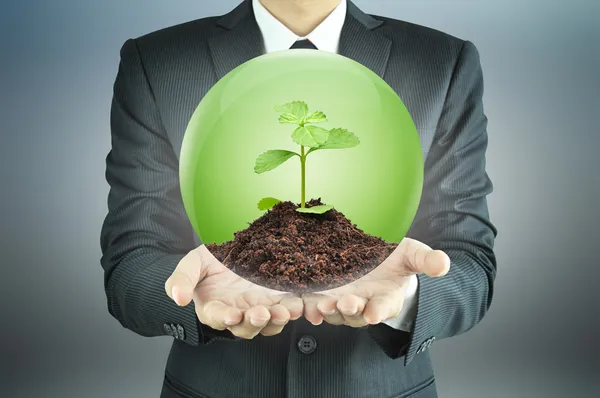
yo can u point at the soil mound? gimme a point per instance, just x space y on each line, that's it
300 252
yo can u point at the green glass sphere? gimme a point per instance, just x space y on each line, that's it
377 184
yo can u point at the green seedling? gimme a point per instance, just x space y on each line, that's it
311 138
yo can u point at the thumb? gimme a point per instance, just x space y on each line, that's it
189 272
422 259
436 263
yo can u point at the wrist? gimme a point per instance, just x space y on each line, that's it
404 320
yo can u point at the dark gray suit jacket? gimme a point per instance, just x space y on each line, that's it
161 79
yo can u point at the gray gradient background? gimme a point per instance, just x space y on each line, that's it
541 62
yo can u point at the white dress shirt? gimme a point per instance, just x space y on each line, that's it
278 37
326 37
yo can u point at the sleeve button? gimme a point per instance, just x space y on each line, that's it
181 332
174 331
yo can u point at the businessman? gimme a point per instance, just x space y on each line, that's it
232 338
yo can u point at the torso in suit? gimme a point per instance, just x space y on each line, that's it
162 78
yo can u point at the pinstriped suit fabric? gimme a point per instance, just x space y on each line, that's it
161 79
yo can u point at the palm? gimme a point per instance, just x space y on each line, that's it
379 295
388 276
221 284
383 287
223 300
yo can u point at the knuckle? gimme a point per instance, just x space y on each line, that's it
248 335
356 321
271 331
238 332
204 316
219 326
334 321
200 314
245 332
278 323
207 313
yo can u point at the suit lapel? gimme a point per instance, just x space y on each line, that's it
361 43
241 41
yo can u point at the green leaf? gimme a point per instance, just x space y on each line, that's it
289 118
271 159
340 139
315 209
315 117
298 109
310 136
267 203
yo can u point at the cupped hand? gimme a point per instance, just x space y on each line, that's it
224 300
378 295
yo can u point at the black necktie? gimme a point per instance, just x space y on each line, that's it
303 44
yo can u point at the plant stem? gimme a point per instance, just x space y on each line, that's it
303 170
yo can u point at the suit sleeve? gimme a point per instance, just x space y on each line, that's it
453 217
146 232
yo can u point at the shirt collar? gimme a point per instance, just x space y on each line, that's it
278 37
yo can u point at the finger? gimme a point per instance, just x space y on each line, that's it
421 259
380 308
437 263
218 315
328 308
311 312
189 271
294 305
280 316
255 319
351 307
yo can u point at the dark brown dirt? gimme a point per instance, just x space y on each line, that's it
291 251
